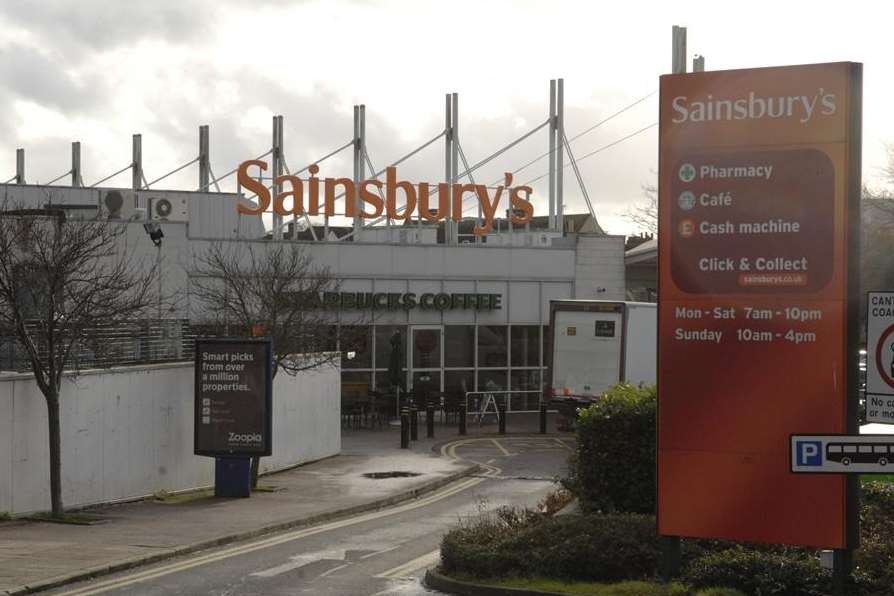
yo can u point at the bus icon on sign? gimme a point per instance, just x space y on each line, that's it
809 453
858 453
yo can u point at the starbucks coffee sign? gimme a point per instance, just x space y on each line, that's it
410 301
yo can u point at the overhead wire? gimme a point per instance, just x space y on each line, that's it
586 131
591 153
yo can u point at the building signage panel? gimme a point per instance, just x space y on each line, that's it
759 189
842 454
400 201
410 301
233 397
880 357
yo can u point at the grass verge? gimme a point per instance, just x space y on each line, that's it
864 478
628 588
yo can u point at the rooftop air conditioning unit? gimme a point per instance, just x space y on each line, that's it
118 205
168 209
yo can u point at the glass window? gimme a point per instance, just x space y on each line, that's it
546 346
491 380
459 346
525 380
355 384
458 382
492 346
384 333
426 348
525 348
355 347
426 385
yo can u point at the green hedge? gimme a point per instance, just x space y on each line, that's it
613 469
875 557
759 572
568 547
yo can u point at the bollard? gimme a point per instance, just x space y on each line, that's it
462 418
501 416
543 418
430 421
404 428
414 423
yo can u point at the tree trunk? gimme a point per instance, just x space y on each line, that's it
55 429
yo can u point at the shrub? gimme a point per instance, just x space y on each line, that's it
758 572
569 547
473 547
875 557
604 548
614 466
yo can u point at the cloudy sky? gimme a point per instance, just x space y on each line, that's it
99 70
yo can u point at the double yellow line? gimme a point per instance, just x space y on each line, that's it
234 551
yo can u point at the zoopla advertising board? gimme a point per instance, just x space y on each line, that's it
233 397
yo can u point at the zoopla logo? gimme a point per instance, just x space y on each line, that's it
244 437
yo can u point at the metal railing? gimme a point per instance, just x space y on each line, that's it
134 342
485 402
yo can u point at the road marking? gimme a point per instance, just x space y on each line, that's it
562 443
501 448
410 567
381 552
242 549
333 570
449 450
300 561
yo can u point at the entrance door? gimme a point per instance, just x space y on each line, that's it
426 357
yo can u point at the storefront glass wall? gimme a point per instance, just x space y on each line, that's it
452 358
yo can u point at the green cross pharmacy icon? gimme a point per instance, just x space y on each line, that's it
687 172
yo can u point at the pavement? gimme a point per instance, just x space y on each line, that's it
38 555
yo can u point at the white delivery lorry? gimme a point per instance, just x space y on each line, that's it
597 343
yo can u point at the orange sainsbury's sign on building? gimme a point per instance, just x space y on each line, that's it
371 203
759 223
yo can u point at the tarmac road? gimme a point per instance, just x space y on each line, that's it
373 554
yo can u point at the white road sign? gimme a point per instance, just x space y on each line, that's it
880 357
842 454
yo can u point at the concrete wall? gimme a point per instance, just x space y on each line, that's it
128 432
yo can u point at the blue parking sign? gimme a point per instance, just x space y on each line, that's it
809 453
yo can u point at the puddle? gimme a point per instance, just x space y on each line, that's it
381 475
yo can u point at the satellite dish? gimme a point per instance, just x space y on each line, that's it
301 225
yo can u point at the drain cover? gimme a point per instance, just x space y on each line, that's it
380 475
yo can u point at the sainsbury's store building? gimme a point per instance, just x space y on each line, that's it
470 310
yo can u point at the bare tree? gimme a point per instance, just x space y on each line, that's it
275 290
645 214
59 281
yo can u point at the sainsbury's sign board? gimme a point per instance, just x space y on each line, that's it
372 198
758 216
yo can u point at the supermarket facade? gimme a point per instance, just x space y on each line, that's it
470 310
463 271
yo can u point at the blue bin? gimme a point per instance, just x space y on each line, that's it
232 477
